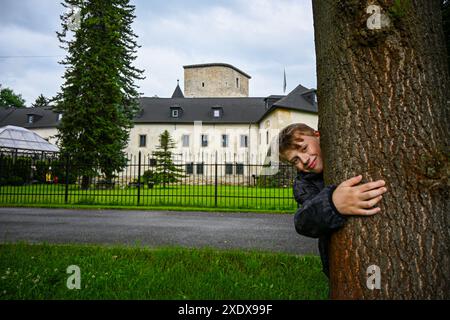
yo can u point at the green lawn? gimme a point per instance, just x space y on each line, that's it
237 197
39 272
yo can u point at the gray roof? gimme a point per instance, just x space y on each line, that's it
44 117
178 93
235 110
217 65
13 137
300 98
158 110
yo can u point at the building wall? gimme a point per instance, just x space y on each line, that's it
195 151
46 133
215 81
260 136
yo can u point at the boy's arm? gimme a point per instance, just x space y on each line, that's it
317 215
323 212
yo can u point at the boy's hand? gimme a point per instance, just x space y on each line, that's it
351 199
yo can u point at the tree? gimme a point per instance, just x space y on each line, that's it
40 102
383 92
99 97
166 171
9 99
446 22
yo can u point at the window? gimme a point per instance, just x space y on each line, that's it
142 140
200 167
175 113
225 141
216 113
185 140
237 82
204 140
203 84
189 168
239 168
267 137
30 118
244 141
60 115
153 162
228 168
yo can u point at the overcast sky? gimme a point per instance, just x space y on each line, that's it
260 37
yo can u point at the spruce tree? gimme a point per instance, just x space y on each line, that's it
40 102
166 171
99 97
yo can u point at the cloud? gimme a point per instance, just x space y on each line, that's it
260 37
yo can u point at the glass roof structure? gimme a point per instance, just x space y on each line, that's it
12 137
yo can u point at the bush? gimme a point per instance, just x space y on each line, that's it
42 168
59 170
15 181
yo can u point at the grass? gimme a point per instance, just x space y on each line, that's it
194 196
39 272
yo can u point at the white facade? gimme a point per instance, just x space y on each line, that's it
258 138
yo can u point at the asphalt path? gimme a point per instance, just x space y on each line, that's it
267 232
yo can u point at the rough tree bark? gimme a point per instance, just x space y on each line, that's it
384 98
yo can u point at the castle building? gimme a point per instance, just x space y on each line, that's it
213 118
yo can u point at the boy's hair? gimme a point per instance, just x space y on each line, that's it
291 134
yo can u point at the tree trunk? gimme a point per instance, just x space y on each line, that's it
384 97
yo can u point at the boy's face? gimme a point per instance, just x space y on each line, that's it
307 156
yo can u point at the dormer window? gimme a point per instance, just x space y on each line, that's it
30 118
217 112
175 111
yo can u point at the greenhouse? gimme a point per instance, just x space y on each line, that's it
18 140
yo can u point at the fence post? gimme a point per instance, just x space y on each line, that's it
139 179
66 194
215 182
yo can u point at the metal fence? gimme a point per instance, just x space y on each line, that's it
205 182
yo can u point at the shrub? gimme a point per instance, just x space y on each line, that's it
15 181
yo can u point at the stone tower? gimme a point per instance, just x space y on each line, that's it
215 80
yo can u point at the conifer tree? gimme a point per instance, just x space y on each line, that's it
41 101
166 171
99 97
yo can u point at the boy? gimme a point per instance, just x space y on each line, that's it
323 209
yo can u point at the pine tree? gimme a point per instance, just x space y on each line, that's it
99 97
41 101
166 171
